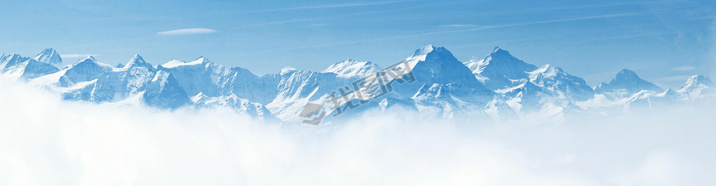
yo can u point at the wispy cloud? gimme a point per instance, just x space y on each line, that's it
69 56
457 26
684 68
281 22
303 20
458 29
567 8
465 28
346 5
530 23
188 31
326 6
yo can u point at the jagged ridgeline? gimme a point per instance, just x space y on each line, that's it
496 86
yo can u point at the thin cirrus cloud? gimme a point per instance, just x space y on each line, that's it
457 26
187 31
684 68
345 5
470 28
328 6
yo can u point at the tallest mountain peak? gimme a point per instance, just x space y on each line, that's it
497 48
627 72
627 75
438 65
499 51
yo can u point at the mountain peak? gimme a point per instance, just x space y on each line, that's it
500 52
436 65
497 49
499 68
626 83
547 70
89 58
697 86
136 60
435 58
137 57
424 51
500 55
698 79
49 56
89 61
626 74
287 69
201 60
351 67
48 50
429 49
550 69
176 63
9 56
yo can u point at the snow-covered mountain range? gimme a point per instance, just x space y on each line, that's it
497 86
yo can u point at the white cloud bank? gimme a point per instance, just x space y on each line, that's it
188 31
44 141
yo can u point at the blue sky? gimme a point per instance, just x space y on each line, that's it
663 41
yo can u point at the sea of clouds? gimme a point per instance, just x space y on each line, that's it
46 141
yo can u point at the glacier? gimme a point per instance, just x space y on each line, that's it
497 86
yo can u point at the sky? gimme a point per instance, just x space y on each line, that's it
663 41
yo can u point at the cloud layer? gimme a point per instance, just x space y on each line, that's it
46 141
188 31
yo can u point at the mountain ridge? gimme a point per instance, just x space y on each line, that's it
496 86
